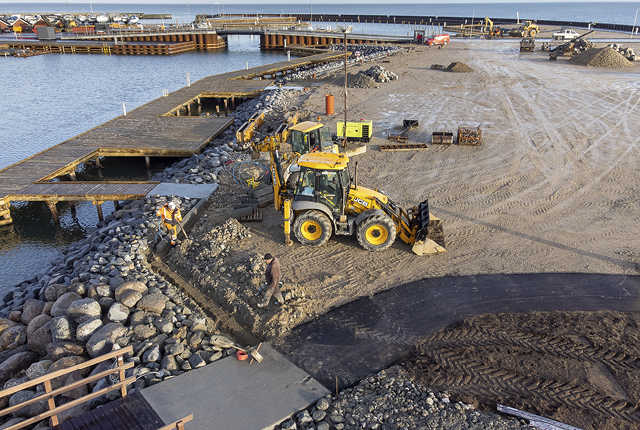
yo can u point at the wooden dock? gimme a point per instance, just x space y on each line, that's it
169 126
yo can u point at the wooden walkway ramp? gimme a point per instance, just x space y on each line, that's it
152 130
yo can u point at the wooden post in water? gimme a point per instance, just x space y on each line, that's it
226 106
217 110
72 174
116 205
54 211
99 208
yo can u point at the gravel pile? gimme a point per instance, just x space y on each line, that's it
391 400
601 57
457 67
360 80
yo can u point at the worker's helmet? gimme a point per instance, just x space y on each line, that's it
172 205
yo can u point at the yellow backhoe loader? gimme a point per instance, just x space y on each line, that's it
323 200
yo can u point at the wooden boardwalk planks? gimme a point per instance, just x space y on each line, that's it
144 131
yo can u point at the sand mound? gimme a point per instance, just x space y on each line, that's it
459 68
601 57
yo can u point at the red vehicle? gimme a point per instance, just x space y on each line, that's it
438 39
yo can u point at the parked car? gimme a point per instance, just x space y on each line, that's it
438 39
565 34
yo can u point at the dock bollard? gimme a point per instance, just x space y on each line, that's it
288 55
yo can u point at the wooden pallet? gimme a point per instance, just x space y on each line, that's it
404 147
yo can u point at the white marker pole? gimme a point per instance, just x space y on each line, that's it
124 109
188 79
288 55
518 17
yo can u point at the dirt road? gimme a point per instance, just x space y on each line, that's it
554 188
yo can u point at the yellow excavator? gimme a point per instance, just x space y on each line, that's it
321 200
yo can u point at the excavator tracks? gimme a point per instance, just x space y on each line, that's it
562 376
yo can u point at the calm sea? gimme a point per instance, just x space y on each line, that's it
50 98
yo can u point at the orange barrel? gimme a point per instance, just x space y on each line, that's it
328 102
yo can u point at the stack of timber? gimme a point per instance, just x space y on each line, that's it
442 137
469 136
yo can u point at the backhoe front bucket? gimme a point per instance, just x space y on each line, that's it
427 247
430 234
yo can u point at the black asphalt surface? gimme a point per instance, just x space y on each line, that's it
369 334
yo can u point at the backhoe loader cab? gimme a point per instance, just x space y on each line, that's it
327 201
309 136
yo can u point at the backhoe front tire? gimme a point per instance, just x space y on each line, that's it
376 233
312 228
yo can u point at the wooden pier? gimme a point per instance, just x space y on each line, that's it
170 126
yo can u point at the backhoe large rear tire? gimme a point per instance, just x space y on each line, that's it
312 228
376 232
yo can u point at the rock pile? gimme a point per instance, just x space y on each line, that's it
391 400
359 54
379 74
628 53
601 57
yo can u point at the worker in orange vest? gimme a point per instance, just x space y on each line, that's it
171 216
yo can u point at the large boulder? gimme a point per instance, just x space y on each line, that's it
86 329
130 298
144 331
64 363
29 410
5 323
31 309
137 286
59 308
103 339
57 350
153 303
118 312
53 292
13 336
61 329
84 309
39 333
38 369
14 364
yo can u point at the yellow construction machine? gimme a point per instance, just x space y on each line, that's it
322 200
528 29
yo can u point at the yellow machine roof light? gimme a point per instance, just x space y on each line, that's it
306 126
324 161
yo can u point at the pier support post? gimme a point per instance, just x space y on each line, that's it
72 174
98 163
147 162
99 208
54 211
217 110
74 211
226 106
116 205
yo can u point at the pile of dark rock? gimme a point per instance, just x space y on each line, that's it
359 54
391 400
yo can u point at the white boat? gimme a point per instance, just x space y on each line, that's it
118 18
102 18
82 18
133 19
68 17
92 18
